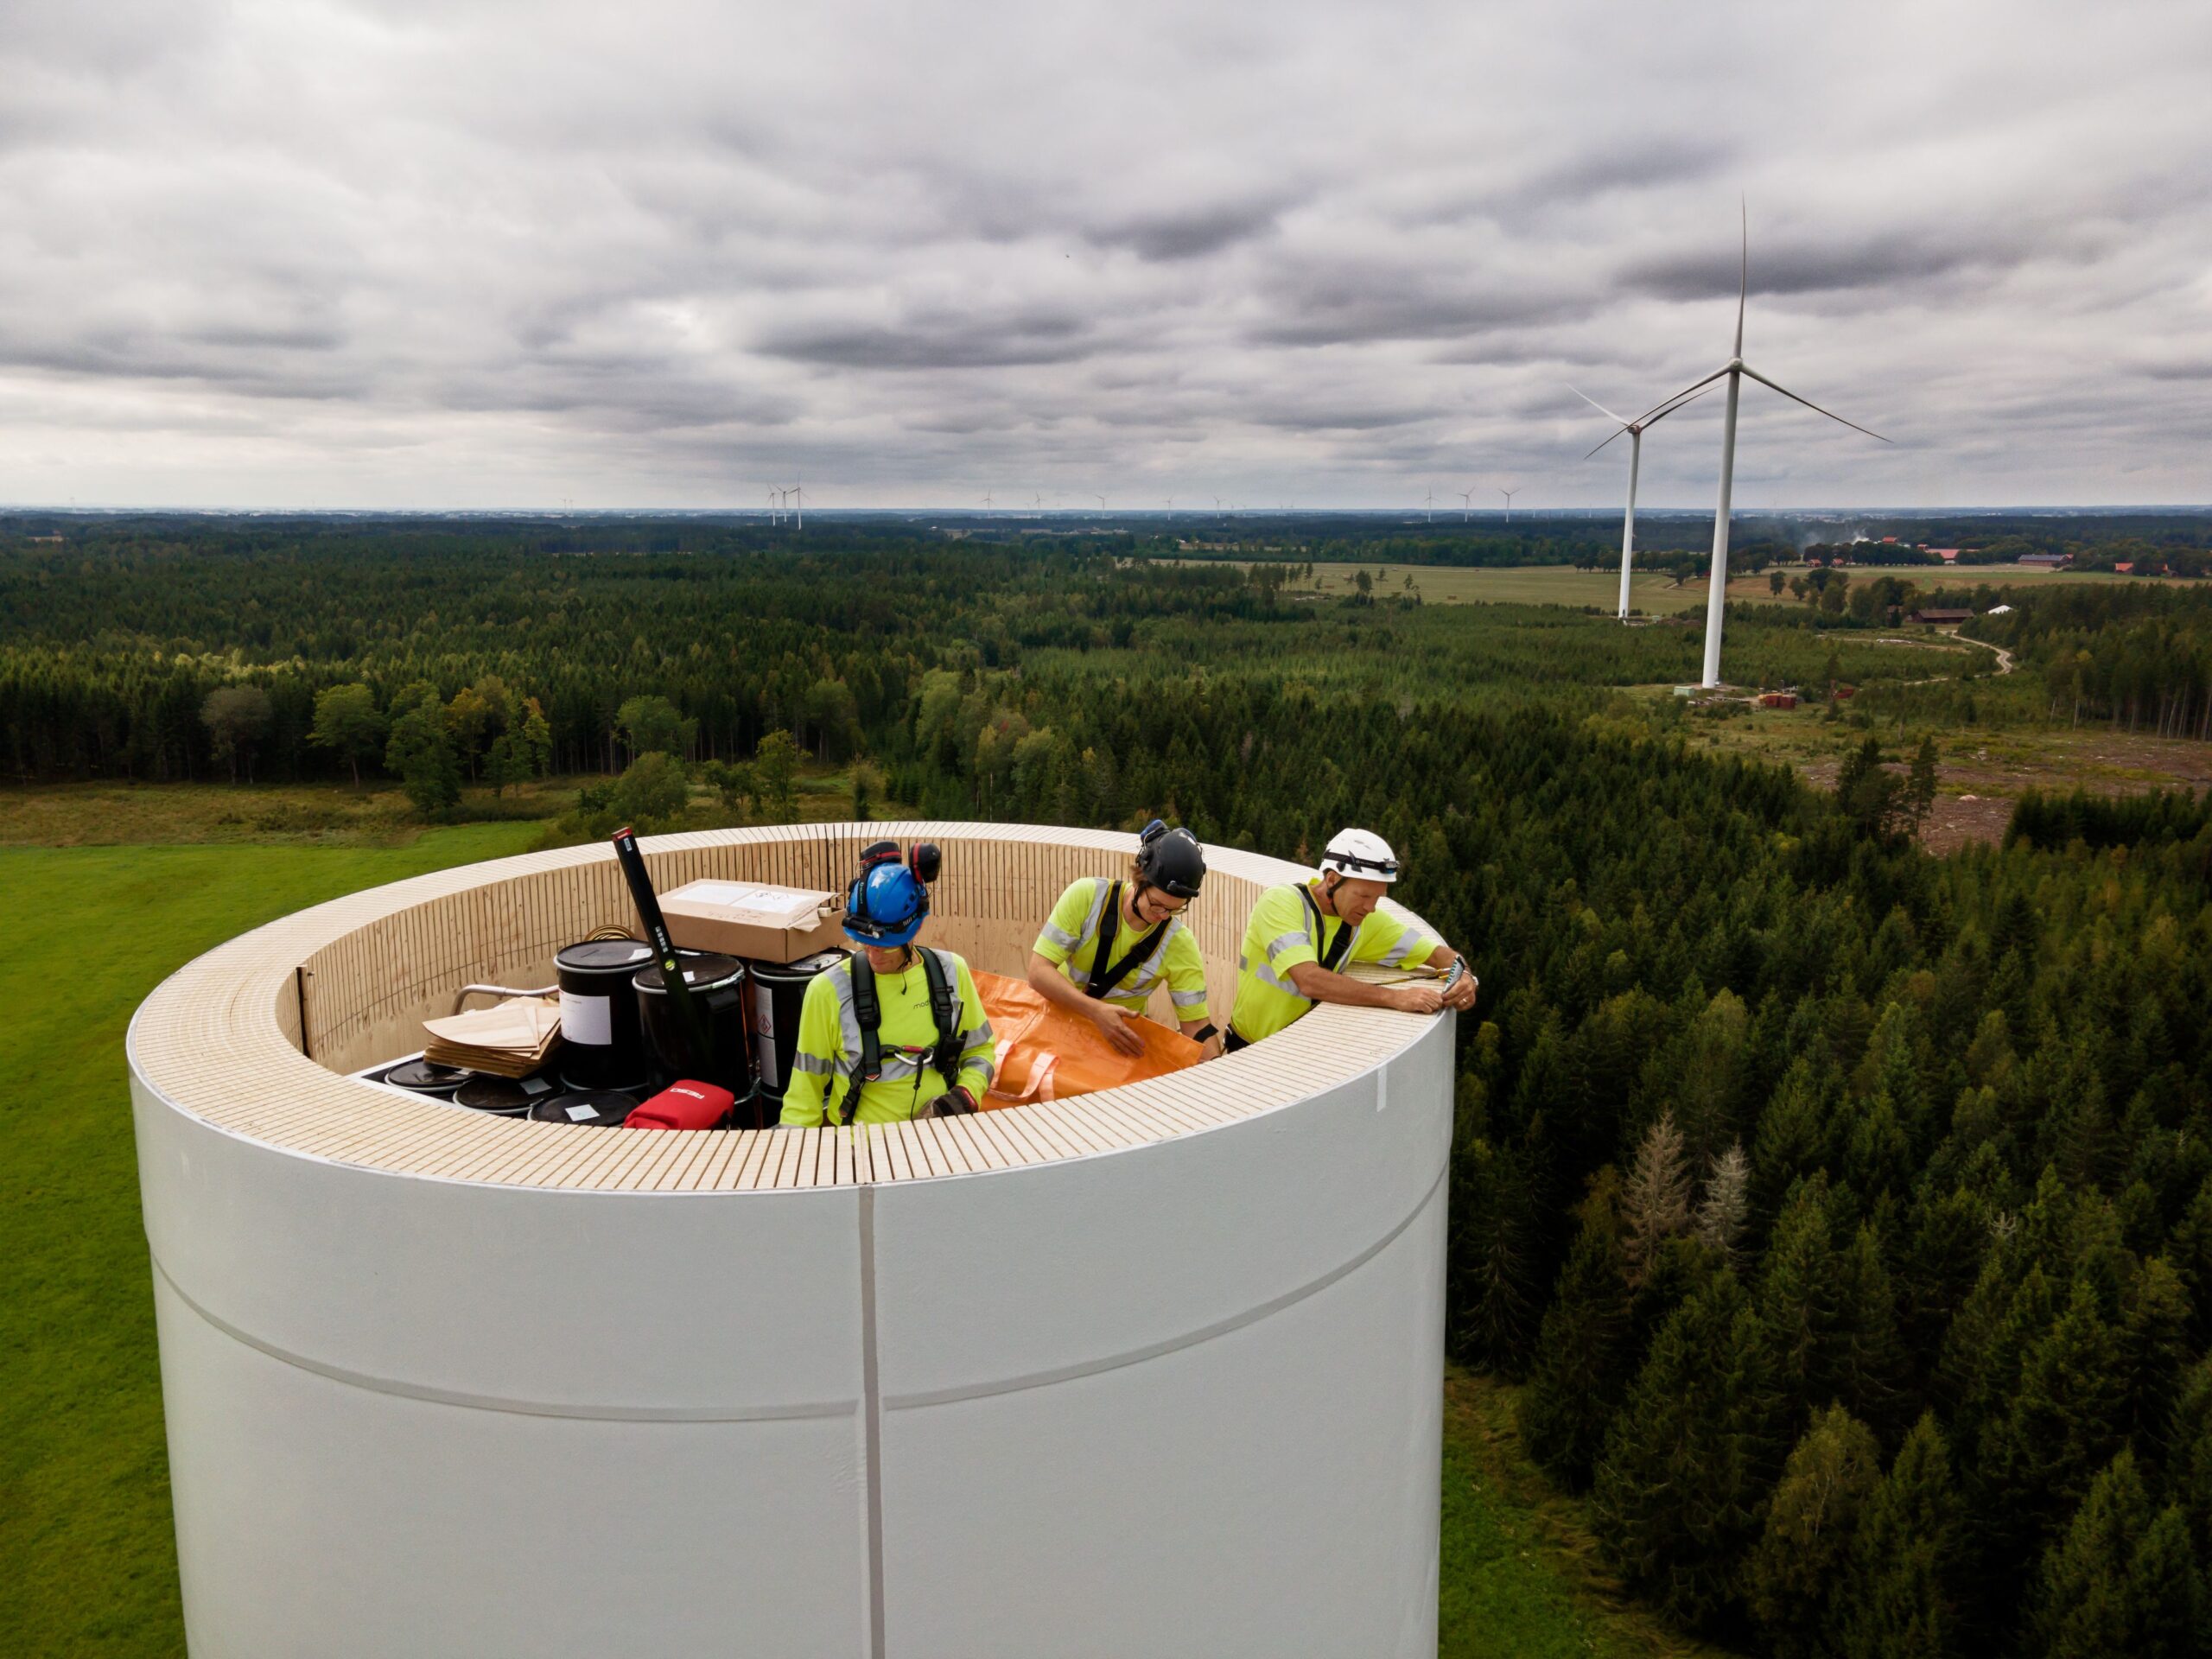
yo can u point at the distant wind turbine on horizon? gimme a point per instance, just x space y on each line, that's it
1635 429
1734 370
1429 502
1508 495
1467 505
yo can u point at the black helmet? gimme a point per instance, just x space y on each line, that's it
1171 860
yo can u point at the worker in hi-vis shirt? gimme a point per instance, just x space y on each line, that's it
897 1031
1302 933
1109 945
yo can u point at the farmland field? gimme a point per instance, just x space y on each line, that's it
1653 593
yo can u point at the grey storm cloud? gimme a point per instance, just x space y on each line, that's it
496 253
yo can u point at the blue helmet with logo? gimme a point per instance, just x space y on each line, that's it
888 903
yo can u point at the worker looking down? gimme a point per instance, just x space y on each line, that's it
1109 945
896 1032
1302 932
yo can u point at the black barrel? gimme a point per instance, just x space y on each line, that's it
419 1076
778 994
504 1097
602 1045
590 1108
717 987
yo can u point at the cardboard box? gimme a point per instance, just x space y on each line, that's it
751 919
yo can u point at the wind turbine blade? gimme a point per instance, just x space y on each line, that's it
1815 406
1594 404
1666 409
1682 396
1610 436
1744 274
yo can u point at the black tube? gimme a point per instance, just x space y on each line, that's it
671 971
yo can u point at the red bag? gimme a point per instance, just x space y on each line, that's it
683 1106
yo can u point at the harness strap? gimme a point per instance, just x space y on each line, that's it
1338 947
867 1010
945 1008
1103 978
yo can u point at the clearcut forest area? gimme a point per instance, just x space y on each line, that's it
1831 1254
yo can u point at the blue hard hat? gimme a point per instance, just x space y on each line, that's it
886 906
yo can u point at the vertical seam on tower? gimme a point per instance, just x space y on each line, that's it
871 1424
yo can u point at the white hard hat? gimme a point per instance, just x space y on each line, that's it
1362 854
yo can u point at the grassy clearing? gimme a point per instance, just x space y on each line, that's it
85 1523
326 815
84 1485
1521 1574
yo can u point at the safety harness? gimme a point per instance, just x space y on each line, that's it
1103 978
1335 953
867 1009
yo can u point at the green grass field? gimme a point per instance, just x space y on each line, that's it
84 1523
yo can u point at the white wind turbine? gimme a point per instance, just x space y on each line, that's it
1635 430
1467 505
1429 502
987 501
1734 370
1508 495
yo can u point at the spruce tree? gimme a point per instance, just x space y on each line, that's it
1793 1573
1583 1349
1656 1199
2047 1441
2121 1580
1726 1205
1686 1467
1896 1598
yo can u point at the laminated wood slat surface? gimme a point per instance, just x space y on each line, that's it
228 1037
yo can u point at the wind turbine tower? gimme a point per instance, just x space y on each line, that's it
1508 495
1429 502
1467 505
1733 371
1635 430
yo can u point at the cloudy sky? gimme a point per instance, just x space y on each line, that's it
477 253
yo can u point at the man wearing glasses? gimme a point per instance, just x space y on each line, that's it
1108 944
1302 933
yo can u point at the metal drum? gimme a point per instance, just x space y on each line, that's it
717 987
594 1108
419 1076
504 1097
602 1045
778 994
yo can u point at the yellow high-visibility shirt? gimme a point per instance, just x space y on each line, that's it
1281 935
829 1046
1069 939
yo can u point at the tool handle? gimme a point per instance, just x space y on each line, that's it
671 969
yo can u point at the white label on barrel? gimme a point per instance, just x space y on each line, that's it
577 1113
764 1034
588 1020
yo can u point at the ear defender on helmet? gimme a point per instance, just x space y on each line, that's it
1171 860
887 902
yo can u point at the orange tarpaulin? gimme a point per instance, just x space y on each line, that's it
1047 1053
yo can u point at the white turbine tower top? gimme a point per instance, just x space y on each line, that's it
1635 430
1733 371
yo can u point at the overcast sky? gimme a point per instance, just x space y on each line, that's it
428 253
